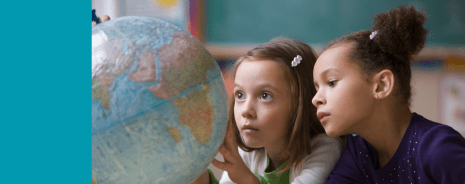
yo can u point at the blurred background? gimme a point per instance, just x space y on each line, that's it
228 28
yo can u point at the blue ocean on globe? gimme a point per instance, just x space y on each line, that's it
159 104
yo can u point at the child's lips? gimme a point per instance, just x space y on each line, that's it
322 116
249 128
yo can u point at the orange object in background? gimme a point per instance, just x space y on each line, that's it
455 64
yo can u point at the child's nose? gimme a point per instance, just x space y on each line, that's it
318 99
248 109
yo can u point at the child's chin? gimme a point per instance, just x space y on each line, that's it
332 133
253 145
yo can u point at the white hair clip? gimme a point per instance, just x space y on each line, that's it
373 34
296 61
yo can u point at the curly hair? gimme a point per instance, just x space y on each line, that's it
400 36
304 124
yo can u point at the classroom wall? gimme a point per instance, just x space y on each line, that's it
425 93
317 22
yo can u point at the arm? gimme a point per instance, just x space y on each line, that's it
317 166
441 154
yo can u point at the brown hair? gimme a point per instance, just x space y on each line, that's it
400 35
304 125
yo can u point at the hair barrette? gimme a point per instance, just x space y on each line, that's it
373 34
296 61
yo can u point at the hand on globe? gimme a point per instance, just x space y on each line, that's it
237 170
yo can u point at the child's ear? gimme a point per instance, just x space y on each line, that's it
383 84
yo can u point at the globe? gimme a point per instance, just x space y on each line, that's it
159 104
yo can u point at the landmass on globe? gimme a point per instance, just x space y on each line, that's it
192 62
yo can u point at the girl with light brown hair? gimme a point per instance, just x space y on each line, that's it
274 135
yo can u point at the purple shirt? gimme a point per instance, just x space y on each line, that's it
429 152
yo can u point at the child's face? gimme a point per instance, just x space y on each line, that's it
262 103
344 98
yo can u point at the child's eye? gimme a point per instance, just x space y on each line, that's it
239 96
331 83
266 96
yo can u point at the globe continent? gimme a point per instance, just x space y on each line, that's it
159 105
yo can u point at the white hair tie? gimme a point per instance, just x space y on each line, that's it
373 34
296 61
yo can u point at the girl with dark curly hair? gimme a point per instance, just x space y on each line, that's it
363 91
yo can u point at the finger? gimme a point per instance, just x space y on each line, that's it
228 157
220 165
230 141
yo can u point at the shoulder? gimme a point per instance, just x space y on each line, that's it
324 143
423 127
429 137
325 140
440 150
317 165
324 137
325 151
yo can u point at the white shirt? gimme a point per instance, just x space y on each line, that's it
315 169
